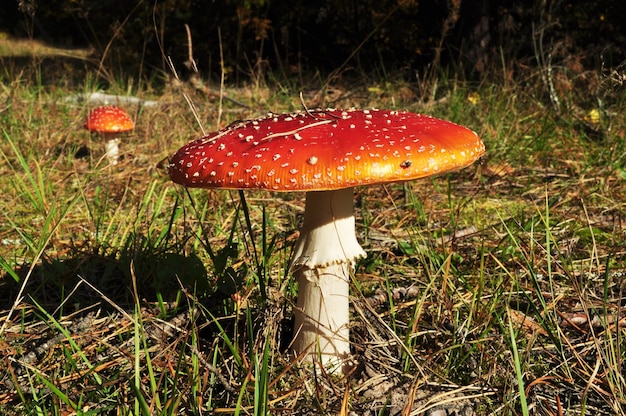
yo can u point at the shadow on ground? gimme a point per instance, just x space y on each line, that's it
85 278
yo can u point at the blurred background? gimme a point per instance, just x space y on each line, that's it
344 38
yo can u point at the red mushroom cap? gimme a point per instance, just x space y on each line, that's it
325 150
109 119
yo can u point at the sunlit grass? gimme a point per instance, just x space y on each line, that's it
30 48
498 288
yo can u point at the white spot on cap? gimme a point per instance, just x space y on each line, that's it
276 157
312 160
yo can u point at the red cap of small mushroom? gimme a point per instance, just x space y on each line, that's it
325 150
109 119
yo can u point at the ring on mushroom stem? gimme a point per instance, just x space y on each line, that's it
325 153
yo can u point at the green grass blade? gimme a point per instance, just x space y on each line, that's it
518 370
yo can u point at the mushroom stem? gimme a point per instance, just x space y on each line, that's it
112 149
323 262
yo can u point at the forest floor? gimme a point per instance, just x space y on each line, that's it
498 289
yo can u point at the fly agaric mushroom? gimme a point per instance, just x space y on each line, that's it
110 121
325 153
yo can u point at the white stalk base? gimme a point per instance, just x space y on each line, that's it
323 262
112 150
322 315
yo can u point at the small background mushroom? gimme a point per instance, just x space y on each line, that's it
110 121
